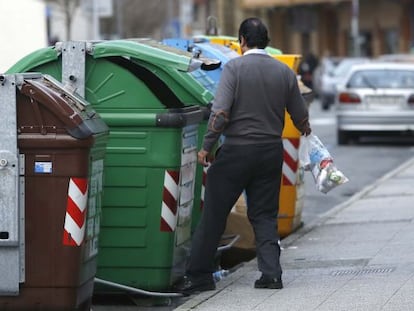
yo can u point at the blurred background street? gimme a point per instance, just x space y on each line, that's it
145 58
315 29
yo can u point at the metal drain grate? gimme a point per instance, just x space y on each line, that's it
363 271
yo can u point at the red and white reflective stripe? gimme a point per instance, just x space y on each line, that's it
203 186
290 161
169 201
74 228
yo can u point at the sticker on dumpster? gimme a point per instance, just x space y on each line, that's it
203 186
91 228
43 167
169 201
92 206
290 161
91 248
97 224
187 172
186 193
75 218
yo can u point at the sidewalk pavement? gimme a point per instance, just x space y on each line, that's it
358 256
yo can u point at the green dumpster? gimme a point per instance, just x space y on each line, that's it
154 110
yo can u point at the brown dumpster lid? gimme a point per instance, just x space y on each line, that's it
66 111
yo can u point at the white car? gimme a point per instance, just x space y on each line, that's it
375 98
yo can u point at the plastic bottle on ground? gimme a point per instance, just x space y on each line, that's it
220 274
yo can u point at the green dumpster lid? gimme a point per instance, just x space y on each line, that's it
142 49
207 64
144 52
34 59
273 51
175 62
156 57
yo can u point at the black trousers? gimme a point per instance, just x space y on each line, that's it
257 169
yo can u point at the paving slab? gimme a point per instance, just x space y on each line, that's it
358 256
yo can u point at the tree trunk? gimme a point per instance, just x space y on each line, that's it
68 20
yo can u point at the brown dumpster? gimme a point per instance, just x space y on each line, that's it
60 146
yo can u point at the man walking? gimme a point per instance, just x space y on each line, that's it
249 109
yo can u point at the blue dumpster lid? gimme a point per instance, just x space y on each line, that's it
213 50
204 48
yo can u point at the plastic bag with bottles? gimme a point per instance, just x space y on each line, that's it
314 157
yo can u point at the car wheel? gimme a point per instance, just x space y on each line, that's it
342 137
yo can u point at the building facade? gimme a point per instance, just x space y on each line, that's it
326 27
323 27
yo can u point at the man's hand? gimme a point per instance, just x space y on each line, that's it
306 129
203 157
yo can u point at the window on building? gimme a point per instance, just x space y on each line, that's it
391 41
366 43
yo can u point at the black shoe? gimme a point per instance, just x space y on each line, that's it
268 282
188 285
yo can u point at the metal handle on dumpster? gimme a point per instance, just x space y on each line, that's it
158 294
136 290
235 238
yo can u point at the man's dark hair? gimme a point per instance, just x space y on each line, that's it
254 32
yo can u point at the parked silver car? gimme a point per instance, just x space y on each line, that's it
375 98
332 79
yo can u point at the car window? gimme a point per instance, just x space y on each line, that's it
344 66
329 66
382 79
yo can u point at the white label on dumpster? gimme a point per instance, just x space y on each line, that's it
184 214
187 172
43 167
97 224
94 247
97 169
90 228
93 186
186 193
92 207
